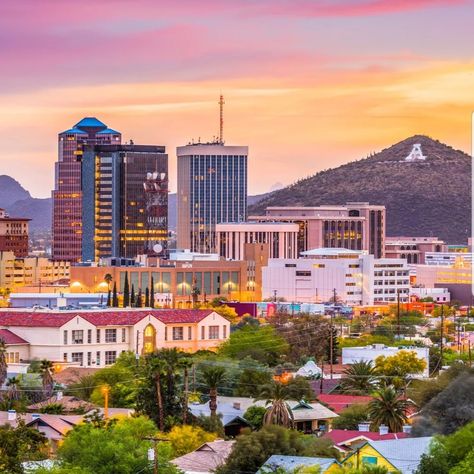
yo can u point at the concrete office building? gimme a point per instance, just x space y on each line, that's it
13 234
354 226
414 249
358 278
125 201
281 237
67 194
212 188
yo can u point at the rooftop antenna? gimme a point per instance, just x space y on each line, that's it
221 119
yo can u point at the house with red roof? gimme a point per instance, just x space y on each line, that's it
339 403
95 338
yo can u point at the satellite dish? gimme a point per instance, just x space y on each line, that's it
157 248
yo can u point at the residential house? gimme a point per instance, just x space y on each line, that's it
290 463
339 403
397 455
95 338
69 404
205 459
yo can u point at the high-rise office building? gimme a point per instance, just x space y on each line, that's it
212 189
67 199
125 201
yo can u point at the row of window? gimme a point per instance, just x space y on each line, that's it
77 336
78 357
214 332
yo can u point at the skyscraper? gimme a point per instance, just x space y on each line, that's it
67 198
125 201
212 189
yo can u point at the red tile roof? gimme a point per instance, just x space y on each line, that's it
9 337
101 318
341 437
339 403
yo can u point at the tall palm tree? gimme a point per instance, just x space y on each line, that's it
185 363
359 379
13 384
213 377
3 363
389 408
46 370
278 412
108 279
157 368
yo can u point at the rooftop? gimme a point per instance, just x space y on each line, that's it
331 252
290 463
11 338
349 436
339 403
92 122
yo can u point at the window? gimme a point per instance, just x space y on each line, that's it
97 357
110 357
149 339
65 357
65 337
124 335
369 460
77 337
89 358
301 273
111 335
213 332
224 332
190 333
77 357
89 336
97 338
203 332
166 333
178 334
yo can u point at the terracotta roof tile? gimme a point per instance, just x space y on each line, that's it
339 403
343 436
11 338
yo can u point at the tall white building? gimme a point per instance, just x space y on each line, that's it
357 277
212 188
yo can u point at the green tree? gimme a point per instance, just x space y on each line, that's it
299 388
252 449
13 386
114 296
359 378
278 411
147 297
255 415
365 469
402 364
261 343
350 418
46 369
252 375
132 297
388 408
18 445
3 362
213 377
108 279
126 292
187 438
152 293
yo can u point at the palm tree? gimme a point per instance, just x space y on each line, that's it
46 370
278 411
185 363
3 363
359 379
213 377
108 279
157 368
13 383
389 408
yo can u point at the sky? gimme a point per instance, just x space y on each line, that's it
308 84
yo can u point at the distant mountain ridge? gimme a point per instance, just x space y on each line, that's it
426 197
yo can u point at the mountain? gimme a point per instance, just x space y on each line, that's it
17 201
423 197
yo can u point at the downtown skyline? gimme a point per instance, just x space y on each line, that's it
347 78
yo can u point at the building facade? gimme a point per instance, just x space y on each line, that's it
212 188
30 271
354 226
13 234
97 338
414 249
356 278
67 193
125 201
281 237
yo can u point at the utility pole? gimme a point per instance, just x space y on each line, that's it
105 392
221 119
442 336
398 313
152 453
331 341
274 296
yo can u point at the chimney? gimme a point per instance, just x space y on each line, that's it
364 427
236 405
59 396
406 429
35 416
11 415
383 429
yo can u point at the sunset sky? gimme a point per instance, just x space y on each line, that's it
308 84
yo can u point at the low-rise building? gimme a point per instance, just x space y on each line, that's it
413 249
13 234
95 338
279 462
351 355
356 277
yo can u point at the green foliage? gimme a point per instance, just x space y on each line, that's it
350 418
261 343
53 409
210 424
401 364
252 449
278 412
252 376
186 438
365 469
18 445
126 292
254 415
299 388
359 378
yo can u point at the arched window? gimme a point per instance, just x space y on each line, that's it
149 339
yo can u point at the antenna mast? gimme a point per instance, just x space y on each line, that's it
221 121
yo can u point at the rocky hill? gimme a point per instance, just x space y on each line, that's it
431 196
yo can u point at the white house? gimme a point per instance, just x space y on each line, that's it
95 338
